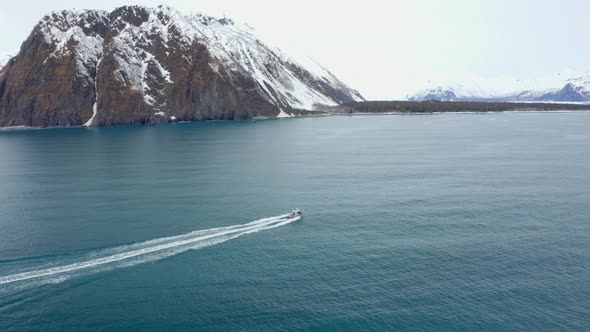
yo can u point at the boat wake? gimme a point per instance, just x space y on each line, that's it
138 253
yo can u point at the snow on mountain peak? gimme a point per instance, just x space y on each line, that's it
235 48
78 27
581 81
550 88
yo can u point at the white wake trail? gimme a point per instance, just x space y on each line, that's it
142 252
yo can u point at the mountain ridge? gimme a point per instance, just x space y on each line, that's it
150 65
575 89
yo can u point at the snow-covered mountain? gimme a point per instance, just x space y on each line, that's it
571 90
575 90
150 65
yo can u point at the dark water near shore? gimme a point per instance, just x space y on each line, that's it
427 222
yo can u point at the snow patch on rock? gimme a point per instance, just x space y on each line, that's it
283 114
235 49
64 28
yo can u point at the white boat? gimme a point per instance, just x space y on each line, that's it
295 213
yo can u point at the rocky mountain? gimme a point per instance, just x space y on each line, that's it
575 90
572 90
456 92
153 65
437 93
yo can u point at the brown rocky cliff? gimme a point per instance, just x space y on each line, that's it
138 66
37 90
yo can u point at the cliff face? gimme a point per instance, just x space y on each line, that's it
141 65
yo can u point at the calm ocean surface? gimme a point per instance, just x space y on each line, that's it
417 223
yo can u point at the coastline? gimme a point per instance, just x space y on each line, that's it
465 112
310 114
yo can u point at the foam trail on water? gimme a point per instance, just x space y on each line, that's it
142 252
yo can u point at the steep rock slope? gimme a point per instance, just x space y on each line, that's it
143 65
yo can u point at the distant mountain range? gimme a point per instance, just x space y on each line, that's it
152 65
572 90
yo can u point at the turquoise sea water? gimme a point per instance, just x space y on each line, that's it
417 223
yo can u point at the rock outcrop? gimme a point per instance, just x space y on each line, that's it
147 66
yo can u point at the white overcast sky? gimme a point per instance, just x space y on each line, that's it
387 49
